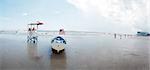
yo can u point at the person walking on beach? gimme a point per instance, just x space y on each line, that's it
120 36
115 35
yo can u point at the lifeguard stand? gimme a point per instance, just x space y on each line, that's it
32 31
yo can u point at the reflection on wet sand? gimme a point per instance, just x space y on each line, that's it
58 61
81 53
35 59
32 50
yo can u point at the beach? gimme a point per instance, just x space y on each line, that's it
84 51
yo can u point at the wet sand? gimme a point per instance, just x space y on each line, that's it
83 52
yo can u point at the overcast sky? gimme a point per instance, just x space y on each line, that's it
117 16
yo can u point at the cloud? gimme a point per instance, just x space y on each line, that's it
25 14
130 13
57 12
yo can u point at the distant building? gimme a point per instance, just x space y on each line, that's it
143 33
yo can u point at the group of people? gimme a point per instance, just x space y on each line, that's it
32 36
31 29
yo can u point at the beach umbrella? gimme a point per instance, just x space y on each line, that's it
36 23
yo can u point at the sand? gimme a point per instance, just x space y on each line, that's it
83 52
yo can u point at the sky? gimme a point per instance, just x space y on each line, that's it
115 16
